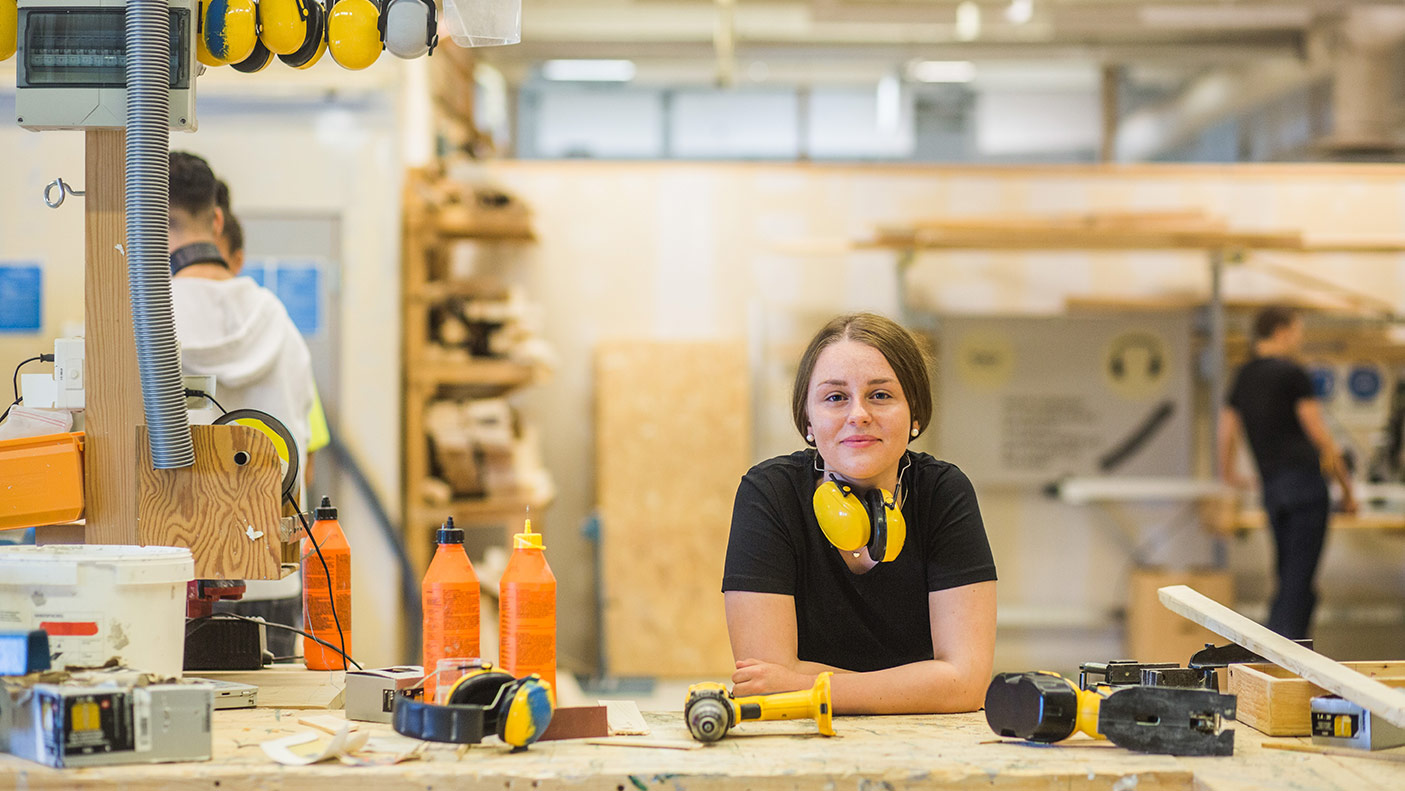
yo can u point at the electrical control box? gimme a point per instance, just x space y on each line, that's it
71 65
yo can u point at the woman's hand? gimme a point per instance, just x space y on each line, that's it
755 677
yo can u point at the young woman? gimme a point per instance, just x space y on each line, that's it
913 633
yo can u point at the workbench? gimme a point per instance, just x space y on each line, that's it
869 754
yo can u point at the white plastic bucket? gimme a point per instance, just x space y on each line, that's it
98 602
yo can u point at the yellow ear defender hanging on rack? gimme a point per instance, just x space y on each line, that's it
353 33
9 28
257 61
410 28
851 523
228 30
283 25
314 43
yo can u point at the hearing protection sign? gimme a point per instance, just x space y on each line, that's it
21 297
1029 400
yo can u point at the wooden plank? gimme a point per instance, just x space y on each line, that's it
1055 238
1276 702
673 438
225 512
1376 697
113 387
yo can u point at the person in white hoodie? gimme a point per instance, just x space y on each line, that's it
238 331
231 327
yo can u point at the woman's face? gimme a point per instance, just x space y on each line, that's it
858 414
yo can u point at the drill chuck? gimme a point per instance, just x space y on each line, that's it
709 718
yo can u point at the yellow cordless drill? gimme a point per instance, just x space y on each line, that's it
711 711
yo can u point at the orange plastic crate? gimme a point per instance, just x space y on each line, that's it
41 480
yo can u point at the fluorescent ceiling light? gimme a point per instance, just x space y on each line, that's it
941 71
968 21
588 70
1019 11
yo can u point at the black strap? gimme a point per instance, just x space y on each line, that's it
458 724
196 253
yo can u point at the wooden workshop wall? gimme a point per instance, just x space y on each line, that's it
672 427
707 251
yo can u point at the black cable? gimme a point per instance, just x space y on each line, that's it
331 592
230 616
191 392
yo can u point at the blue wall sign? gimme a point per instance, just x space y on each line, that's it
21 297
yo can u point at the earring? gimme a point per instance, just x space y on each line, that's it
810 438
915 432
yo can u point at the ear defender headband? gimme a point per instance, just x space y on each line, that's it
852 522
483 702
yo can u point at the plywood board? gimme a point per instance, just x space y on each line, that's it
225 511
673 438
1335 677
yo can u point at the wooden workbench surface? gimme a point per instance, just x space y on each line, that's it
870 753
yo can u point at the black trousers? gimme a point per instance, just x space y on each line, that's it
1297 504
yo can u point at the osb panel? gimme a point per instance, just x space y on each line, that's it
673 438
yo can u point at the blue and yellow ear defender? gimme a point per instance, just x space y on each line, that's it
486 701
228 31
851 523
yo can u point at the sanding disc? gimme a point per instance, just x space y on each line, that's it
282 438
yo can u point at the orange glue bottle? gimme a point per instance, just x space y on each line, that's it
318 615
527 610
449 595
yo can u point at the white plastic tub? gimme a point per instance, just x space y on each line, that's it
100 602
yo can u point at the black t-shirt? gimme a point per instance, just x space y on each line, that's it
857 622
1266 393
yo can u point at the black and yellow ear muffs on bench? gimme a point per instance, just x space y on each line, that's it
481 703
852 521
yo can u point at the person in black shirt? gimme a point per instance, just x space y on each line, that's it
1272 402
911 634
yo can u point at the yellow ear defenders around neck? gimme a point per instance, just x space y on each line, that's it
851 523
485 701
410 28
353 33
283 25
314 42
228 31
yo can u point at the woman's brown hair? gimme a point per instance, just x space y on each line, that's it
897 345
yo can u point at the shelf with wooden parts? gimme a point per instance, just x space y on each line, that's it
438 214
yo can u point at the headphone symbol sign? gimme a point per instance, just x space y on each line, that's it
1136 364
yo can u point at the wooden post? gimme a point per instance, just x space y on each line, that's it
113 409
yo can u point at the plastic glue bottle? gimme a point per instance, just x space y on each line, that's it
449 595
318 616
527 610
